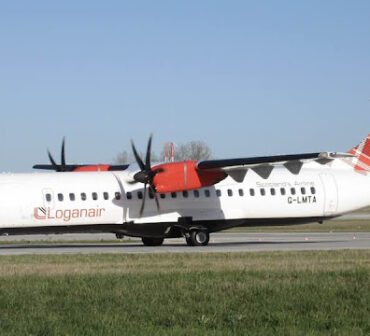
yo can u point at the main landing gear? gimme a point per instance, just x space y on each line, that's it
197 238
152 241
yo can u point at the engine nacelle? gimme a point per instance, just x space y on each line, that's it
93 168
179 176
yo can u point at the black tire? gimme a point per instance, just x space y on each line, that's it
119 235
199 237
152 241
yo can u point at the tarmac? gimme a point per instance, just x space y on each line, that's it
219 242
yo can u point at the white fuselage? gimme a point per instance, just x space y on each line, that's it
103 198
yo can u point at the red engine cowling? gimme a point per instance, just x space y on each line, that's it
179 176
98 167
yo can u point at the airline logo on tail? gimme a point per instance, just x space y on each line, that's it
362 153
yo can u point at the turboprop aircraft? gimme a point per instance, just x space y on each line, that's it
187 199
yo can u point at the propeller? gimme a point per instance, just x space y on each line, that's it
62 166
146 174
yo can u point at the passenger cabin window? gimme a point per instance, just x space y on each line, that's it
263 192
313 190
129 195
105 195
48 197
292 191
117 195
196 193
303 191
83 197
229 192
72 197
241 192
272 191
207 193
218 193
94 196
60 197
185 194
251 192
282 191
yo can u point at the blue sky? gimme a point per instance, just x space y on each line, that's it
247 77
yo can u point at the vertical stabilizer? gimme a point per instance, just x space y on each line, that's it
362 153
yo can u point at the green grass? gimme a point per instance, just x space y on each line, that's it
281 293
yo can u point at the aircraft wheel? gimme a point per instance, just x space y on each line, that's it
152 241
199 237
119 235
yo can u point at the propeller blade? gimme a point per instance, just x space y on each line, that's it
156 198
137 157
143 203
146 174
53 163
148 153
156 171
63 156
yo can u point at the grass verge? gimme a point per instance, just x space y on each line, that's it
290 293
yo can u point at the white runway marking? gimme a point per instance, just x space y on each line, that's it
220 242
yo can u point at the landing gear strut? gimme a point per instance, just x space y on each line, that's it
197 238
152 241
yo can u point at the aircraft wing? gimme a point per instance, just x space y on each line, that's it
263 165
82 167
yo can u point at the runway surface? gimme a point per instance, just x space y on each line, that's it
220 242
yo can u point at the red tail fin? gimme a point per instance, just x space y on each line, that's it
362 153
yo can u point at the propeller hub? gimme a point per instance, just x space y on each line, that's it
142 177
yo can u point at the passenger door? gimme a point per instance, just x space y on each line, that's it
331 194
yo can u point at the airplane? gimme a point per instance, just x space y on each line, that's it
187 199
